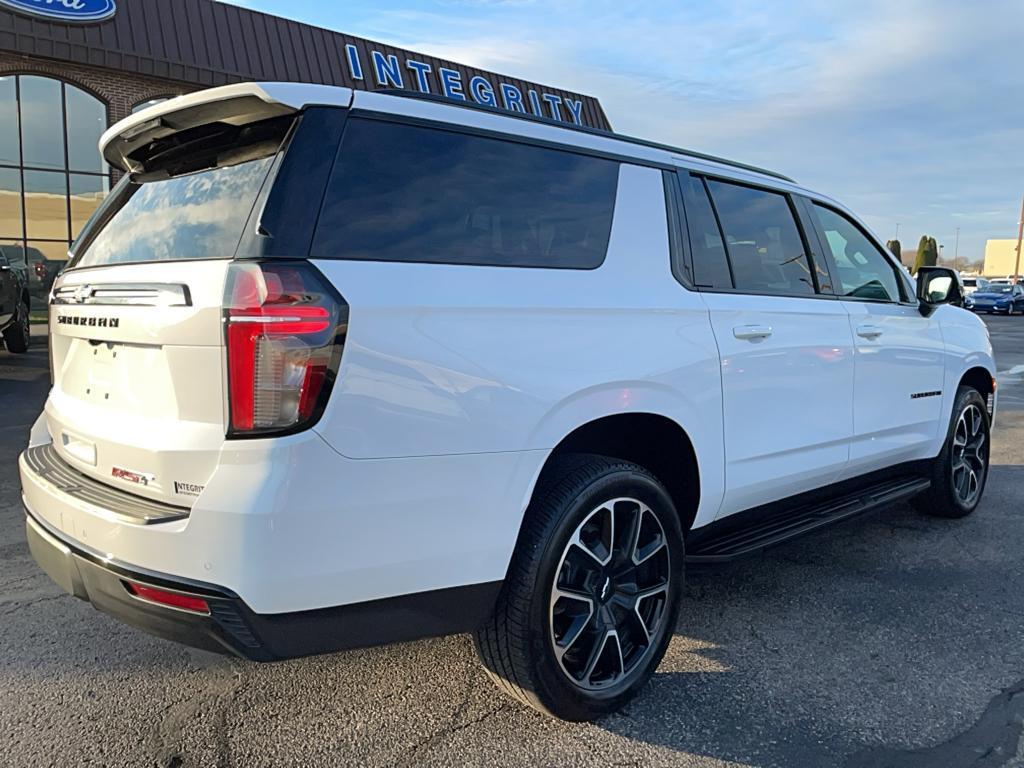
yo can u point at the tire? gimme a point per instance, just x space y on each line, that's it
18 335
580 503
960 471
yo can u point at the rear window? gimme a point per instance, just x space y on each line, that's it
193 202
414 194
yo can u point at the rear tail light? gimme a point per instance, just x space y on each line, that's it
285 333
171 599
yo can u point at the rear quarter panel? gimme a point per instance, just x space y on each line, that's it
444 359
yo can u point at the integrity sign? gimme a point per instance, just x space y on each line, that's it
390 72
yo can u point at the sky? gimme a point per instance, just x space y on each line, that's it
911 112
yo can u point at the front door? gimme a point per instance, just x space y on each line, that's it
899 367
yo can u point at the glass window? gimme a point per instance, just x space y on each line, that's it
87 120
10 141
764 244
42 122
87 192
46 205
710 267
863 271
150 103
13 252
11 224
403 193
45 261
52 176
198 216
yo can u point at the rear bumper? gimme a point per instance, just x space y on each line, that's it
232 627
104 584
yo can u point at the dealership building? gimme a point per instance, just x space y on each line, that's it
71 68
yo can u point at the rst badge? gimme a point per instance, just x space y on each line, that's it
139 478
72 11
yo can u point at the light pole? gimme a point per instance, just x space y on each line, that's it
897 230
956 248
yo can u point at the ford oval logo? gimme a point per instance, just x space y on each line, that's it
82 11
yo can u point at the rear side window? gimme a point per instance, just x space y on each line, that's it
414 194
710 266
765 247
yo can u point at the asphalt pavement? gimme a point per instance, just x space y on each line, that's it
895 640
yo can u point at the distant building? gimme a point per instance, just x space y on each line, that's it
1001 258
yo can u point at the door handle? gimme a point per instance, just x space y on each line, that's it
869 331
752 332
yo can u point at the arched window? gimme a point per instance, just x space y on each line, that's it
52 176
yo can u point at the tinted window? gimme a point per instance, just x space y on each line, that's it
198 216
710 267
403 193
863 271
765 248
42 122
87 119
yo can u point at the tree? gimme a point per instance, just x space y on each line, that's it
927 253
895 249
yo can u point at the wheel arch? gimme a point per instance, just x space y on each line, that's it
654 441
984 381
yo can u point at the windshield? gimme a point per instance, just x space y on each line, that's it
1000 289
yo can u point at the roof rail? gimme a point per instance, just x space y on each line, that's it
580 128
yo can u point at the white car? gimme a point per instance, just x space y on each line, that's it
975 284
333 369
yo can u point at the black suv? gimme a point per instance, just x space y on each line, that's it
14 300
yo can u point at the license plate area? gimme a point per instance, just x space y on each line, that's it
128 377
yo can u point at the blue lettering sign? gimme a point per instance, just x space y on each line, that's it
554 102
387 70
482 92
575 107
513 98
535 103
81 11
355 66
451 84
421 70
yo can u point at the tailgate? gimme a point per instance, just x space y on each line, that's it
138 399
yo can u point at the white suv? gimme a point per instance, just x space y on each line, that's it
333 369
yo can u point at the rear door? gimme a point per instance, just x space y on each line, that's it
899 363
784 341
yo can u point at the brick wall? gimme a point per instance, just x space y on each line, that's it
120 91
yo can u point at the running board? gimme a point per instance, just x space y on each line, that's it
783 526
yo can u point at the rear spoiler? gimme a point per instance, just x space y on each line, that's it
237 105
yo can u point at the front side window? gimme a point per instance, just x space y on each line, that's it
764 244
863 270
412 194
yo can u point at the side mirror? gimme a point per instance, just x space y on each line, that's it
936 286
